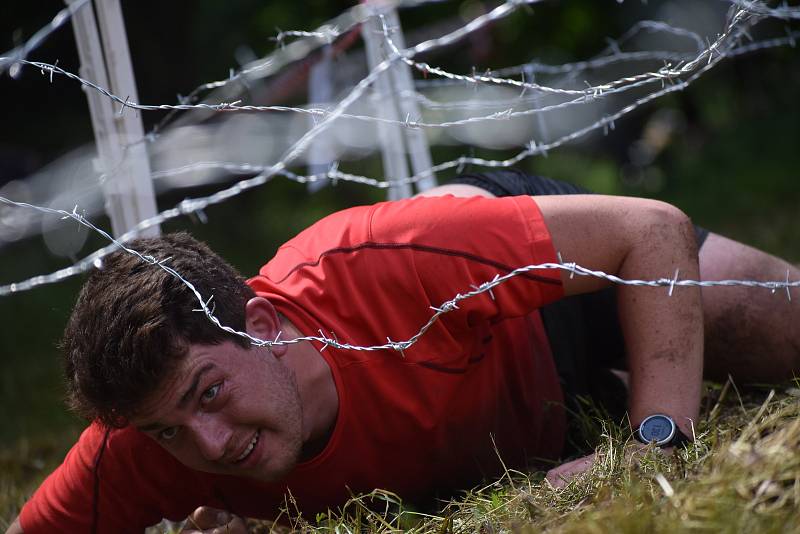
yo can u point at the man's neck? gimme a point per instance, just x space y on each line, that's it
317 388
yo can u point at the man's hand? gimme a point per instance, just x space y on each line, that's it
207 520
558 477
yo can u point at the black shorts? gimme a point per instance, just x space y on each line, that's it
584 331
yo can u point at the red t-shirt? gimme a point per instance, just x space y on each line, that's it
418 423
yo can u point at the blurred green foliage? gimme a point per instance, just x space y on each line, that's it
732 165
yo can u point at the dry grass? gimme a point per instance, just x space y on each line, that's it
742 475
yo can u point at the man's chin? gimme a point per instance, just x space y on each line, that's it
270 473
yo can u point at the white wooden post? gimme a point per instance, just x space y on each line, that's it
128 187
393 151
393 99
403 83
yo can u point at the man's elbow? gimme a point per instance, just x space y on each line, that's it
15 527
667 224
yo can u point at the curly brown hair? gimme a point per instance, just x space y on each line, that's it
133 323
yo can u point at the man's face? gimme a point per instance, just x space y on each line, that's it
228 410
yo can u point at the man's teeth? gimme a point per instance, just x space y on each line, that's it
249 448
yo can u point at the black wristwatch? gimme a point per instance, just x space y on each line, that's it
661 430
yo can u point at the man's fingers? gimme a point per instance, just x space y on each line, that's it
206 517
559 476
208 520
234 526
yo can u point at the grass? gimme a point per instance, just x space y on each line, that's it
741 475
24 465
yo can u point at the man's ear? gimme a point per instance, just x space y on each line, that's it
262 321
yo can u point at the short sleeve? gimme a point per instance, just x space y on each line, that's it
460 243
111 481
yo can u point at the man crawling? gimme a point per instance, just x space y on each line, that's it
190 420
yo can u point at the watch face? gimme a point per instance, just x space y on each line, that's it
658 428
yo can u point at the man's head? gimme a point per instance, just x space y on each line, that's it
134 323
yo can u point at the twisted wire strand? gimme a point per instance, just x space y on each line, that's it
596 91
195 206
206 306
190 206
784 11
19 53
589 93
332 32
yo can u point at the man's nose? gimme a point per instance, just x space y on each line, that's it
212 436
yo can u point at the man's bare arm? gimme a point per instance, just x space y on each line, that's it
635 238
645 239
15 527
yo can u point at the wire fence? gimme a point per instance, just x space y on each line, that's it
677 73
206 302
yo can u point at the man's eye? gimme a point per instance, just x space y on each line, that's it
168 433
210 394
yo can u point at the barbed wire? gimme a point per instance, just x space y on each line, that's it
590 92
206 302
195 206
497 115
18 53
613 53
501 115
784 12
606 89
353 17
326 34
707 58
593 91
601 61
190 206
475 24
425 46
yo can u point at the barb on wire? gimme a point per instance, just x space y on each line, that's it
589 93
326 34
15 55
190 205
206 303
592 91
784 11
265 173
502 115
425 46
184 104
614 54
535 67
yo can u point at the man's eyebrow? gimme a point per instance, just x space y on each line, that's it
195 382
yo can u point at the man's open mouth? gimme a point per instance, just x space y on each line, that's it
250 447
